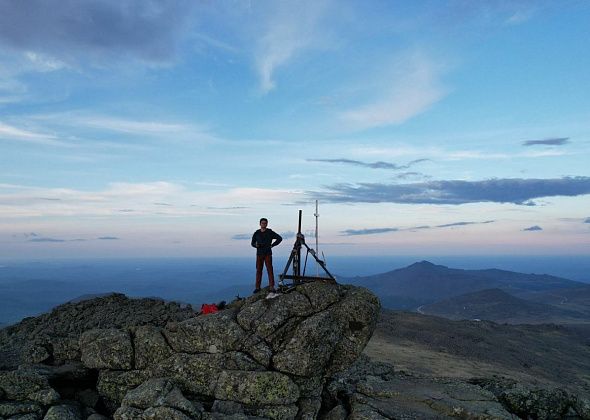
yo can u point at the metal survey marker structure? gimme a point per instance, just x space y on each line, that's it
298 275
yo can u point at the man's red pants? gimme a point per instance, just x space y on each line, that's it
262 260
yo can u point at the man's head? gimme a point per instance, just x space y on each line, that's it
263 223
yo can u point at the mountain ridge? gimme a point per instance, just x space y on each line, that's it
424 283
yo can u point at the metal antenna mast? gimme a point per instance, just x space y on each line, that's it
317 248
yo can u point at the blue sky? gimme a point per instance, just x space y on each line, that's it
168 128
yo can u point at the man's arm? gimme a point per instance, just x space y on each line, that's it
277 238
253 243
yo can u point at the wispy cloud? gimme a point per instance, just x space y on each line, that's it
44 64
490 155
46 240
292 28
357 232
372 165
520 16
10 132
532 229
410 88
242 236
408 175
554 141
137 199
228 208
55 240
16 63
423 227
108 238
373 231
130 126
464 224
215 43
511 190
71 122
444 154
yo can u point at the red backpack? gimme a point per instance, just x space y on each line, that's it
209 308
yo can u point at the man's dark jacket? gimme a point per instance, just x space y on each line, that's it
264 241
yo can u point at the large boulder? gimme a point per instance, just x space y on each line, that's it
21 385
25 394
107 349
317 329
258 358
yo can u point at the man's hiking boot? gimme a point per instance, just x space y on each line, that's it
255 291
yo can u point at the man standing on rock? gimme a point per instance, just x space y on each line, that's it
262 240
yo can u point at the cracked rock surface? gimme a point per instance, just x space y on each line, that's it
114 357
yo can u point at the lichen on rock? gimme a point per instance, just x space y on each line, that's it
256 388
114 384
258 358
215 333
150 346
158 398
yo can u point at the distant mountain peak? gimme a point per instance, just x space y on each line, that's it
423 283
424 264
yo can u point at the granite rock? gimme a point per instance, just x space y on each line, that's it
256 388
150 346
259 358
106 349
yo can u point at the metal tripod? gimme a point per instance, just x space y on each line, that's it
298 276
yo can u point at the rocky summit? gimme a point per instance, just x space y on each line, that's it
121 358
297 356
